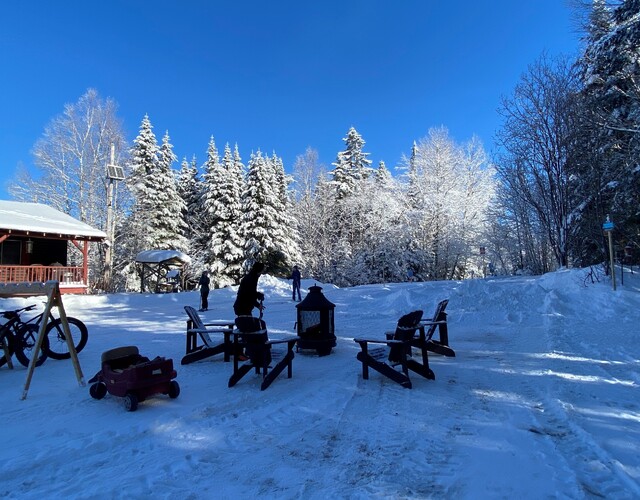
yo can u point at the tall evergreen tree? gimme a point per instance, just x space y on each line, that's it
143 163
351 166
607 180
190 190
232 248
285 234
260 213
167 224
133 233
213 182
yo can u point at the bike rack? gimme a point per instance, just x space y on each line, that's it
54 299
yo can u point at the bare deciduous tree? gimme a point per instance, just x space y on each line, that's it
536 140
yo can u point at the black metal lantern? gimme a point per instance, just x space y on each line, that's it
315 322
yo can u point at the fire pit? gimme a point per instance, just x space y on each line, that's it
315 322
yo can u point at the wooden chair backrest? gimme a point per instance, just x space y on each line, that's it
194 317
199 325
439 315
405 330
407 326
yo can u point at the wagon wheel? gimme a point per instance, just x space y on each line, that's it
131 402
98 390
174 389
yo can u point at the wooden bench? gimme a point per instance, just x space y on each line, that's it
397 354
196 328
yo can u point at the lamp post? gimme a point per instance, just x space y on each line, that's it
115 173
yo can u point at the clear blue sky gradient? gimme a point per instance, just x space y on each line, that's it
273 75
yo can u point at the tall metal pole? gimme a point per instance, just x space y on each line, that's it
613 269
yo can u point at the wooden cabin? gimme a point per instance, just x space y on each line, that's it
33 246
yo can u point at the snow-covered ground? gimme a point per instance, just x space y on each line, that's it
541 401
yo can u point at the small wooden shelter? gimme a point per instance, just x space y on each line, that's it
161 270
33 246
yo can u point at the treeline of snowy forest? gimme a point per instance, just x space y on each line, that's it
567 157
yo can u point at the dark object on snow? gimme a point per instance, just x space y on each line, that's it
296 277
425 339
315 322
203 283
399 353
196 328
251 335
248 296
127 374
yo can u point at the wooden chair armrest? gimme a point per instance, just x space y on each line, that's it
237 333
209 330
379 341
282 341
430 322
228 324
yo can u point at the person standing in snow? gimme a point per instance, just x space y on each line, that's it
204 291
295 276
248 296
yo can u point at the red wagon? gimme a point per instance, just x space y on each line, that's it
127 374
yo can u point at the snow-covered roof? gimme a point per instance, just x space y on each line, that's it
159 256
29 218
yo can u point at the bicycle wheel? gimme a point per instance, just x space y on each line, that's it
26 343
58 348
6 340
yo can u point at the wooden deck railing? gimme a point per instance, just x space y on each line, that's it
63 274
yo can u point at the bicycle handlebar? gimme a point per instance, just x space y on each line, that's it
16 312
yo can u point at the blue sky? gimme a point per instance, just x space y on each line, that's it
277 76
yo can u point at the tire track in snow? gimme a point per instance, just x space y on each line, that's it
596 472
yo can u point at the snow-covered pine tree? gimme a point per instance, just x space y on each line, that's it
259 201
189 189
223 213
415 198
285 234
383 177
134 235
606 180
166 221
212 209
351 165
232 249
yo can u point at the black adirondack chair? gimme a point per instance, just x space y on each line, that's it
399 353
428 328
197 328
251 336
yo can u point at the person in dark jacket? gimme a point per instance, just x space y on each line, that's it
204 291
248 296
295 276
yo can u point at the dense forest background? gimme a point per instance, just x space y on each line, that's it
567 160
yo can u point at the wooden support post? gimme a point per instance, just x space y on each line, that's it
7 355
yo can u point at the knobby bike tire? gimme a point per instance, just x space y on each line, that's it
58 348
26 342
6 338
